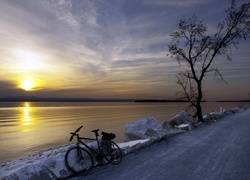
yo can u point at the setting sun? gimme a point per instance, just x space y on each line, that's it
27 85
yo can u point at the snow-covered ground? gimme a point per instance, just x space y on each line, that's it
50 164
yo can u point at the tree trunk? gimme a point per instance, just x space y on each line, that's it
198 103
199 112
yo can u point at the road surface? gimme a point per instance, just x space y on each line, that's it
217 150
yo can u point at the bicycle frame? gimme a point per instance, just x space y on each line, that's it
79 141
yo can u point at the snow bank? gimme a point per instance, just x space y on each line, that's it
181 121
131 146
50 164
43 165
222 112
144 129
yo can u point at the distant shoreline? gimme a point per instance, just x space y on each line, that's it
40 99
64 100
184 101
159 100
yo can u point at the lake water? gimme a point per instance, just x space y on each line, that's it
29 127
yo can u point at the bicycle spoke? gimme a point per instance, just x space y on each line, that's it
78 159
111 152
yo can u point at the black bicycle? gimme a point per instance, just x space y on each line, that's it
79 159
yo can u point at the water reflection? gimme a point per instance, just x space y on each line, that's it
26 118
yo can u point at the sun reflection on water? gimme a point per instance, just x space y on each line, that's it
26 118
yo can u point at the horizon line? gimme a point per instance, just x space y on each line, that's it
81 99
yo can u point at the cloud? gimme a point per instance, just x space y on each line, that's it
96 46
85 42
182 3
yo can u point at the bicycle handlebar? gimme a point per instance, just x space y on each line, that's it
78 129
74 133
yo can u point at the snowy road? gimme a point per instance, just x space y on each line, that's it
219 150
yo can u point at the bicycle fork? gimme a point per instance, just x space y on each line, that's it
80 157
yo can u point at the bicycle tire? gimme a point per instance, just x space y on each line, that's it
111 152
78 163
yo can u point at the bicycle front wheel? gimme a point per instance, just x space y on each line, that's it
111 152
78 160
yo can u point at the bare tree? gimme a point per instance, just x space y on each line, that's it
192 46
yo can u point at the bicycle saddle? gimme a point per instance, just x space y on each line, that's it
95 131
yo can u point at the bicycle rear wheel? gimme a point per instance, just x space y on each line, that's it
111 151
78 160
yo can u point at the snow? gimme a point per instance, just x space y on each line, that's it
46 164
183 126
143 129
50 164
132 143
181 121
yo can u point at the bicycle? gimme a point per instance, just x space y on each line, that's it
79 159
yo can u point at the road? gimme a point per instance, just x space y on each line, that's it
217 150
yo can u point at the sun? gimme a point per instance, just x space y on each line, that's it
27 85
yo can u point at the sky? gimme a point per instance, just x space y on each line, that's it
107 49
